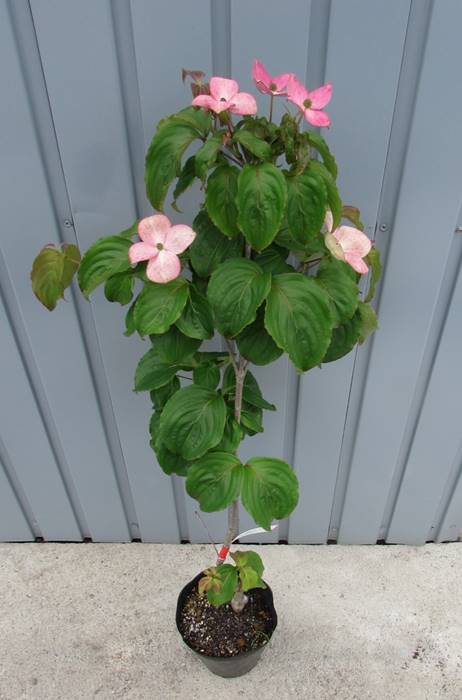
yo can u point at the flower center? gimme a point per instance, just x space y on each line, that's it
159 246
273 86
307 103
222 99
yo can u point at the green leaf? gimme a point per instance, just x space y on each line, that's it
339 281
195 117
71 263
251 419
251 392
163 159
250 569
252 143
232 436
130 231
273 259
130 327
298 318
261 201
207 153
220 199
152 372
185 180
369 322
248 558
344 338
206 374
250 579
289 136
52 271
269 490
255 343
174 346
322 148
306 205
236 290
105 258
314 247
211 247
169 462
373 260
218 358
171 352
227 575
333 198
47 274
193 421
119 288
196 321
160 396
159 305
215 480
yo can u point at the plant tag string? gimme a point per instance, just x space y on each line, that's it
223 553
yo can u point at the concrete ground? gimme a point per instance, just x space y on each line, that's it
97 621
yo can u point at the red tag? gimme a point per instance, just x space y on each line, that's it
223 553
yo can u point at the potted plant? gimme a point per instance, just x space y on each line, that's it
270 265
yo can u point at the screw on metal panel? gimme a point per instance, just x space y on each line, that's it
383 227
68 223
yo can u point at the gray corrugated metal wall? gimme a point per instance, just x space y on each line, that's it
376 437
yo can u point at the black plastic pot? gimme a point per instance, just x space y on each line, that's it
228 666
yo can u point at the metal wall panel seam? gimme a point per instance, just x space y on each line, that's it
124 45
318 36
414 47
24 506
449 515
434 338
220 29
316 58
41 109
25 352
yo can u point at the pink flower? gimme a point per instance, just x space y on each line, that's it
268 84
224 94
161 244
348 244
310 103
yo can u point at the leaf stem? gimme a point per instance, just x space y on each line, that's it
231 157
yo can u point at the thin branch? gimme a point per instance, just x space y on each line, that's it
232 355
196 512
231 157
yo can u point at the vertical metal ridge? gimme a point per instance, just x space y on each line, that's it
405 98
220 24
25 352
316 58
318 37
7 464
33 74
124 46
434 337
180 507
450 489
290 431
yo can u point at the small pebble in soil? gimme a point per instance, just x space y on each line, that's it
222 632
